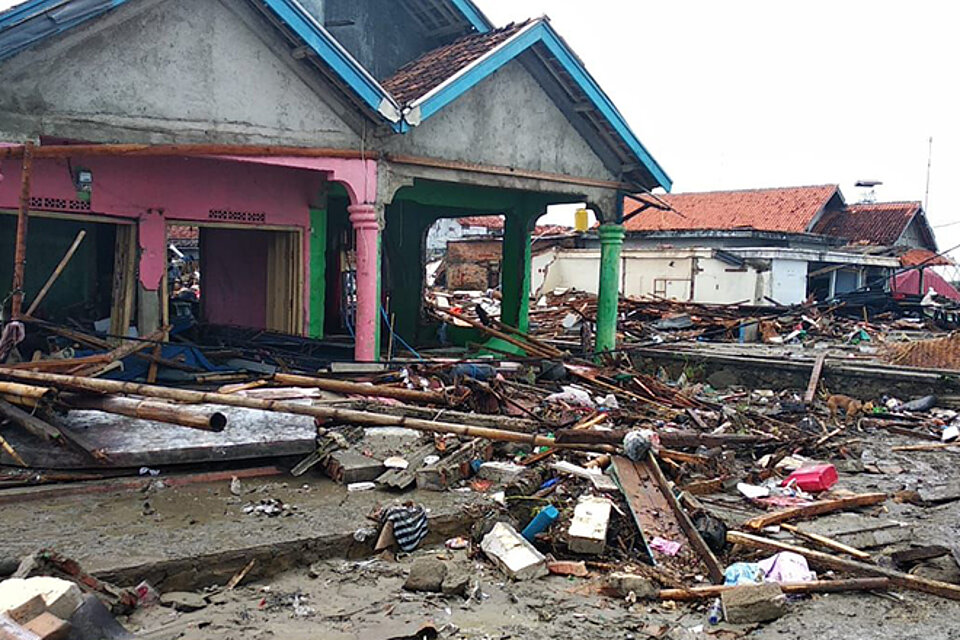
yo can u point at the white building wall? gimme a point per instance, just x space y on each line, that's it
788 281
720 283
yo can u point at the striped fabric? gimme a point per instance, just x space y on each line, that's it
409 525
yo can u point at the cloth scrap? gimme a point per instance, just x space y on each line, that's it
13 334
409 524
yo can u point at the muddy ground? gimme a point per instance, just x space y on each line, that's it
128 533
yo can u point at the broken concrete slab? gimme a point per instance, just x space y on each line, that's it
426 574
61 597
588 529
753 603
183 601
511 552
500 472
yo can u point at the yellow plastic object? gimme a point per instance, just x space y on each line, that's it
581 220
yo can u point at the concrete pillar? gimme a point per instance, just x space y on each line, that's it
366 224
515 272
608 299
152 241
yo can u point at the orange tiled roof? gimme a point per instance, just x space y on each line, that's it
786 209
418 77
879 223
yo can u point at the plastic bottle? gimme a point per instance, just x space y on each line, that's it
547 516
716 612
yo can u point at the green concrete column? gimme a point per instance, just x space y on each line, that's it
611 240
318 271
515 272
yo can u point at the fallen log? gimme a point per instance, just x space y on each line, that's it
182 415
817 586
358 389
827 561
348 416
815 509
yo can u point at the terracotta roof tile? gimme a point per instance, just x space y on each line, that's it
787 209
417 78
487 222
916 257
879 223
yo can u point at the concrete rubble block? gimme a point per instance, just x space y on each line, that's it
426 574
348 467
455 584
62 597
753 603
48 627
588 529
516 557
500 472
10 630
183 601
625 583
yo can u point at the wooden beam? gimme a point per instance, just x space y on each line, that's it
815 509
824 541
56 272
828 561
794 588
20 246
811 392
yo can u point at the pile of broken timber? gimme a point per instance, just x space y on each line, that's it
27 395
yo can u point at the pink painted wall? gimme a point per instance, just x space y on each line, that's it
234 277
159 190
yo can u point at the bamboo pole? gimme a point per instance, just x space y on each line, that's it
97 385
56 272
530 349
817 586
818 558
23 393
23 218
6 446
824 541
356 388
182 415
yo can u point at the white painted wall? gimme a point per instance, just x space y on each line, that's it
788 281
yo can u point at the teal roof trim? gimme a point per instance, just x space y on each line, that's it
541 32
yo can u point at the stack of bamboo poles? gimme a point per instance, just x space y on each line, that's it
511 335
189 408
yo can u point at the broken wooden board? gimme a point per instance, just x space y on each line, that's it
656 516
861 531
442 475
132 442
403 479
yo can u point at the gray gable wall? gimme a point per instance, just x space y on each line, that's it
508 120
172 71
380 34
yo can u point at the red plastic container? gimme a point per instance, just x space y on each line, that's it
816 478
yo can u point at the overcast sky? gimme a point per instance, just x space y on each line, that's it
754 93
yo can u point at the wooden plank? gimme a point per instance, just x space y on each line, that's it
811 392
699 545
56 272
828 561
23 218
655 516
911 556
815 509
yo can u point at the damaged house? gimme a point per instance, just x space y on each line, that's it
757 246
309 144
